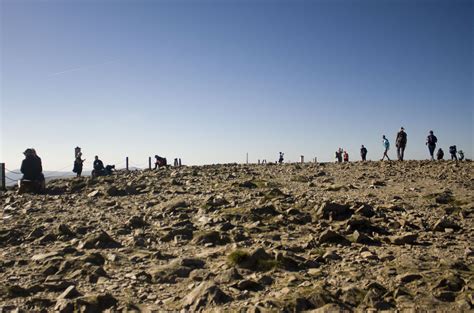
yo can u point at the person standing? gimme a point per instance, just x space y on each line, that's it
280 159
431 141
346 156
78 164
386 145
461 155
401 143
453 151
363 153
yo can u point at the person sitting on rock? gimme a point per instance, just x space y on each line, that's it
159 162
440 154
32 171
346 156
98 166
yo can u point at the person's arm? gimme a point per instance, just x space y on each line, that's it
23 167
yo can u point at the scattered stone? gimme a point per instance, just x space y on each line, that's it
335 211
408 238
329 236
206 294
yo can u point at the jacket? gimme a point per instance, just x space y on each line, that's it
31 168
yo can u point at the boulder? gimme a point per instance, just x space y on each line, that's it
331 237
335 211
205 295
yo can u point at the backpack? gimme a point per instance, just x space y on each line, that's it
432 139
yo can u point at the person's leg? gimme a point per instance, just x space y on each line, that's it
432 149
402 154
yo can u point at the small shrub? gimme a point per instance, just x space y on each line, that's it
238 257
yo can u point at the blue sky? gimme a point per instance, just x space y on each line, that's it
208 81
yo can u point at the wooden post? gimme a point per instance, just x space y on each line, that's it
149 163
302 159
247 158
126 163
2 172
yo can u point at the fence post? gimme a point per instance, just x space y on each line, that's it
2 171
126 163
149 163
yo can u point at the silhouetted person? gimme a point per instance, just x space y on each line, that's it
339 155
401 143
363 153
109 169
440 154
346 156
453 150
461 155
159 161
78 164
32 169
31 166
280 159
176 162
431 141
98 166
386 145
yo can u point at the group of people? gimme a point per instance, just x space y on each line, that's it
401 143
98 167
342 155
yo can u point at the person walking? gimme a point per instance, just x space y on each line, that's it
280 159
363 153
401 143
453 151
431 141
78 164
386 145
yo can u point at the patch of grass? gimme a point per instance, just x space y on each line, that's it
300 179
242 258
238 257
266 265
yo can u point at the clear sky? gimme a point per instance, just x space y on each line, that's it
209 81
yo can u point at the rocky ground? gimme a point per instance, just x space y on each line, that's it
326 237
